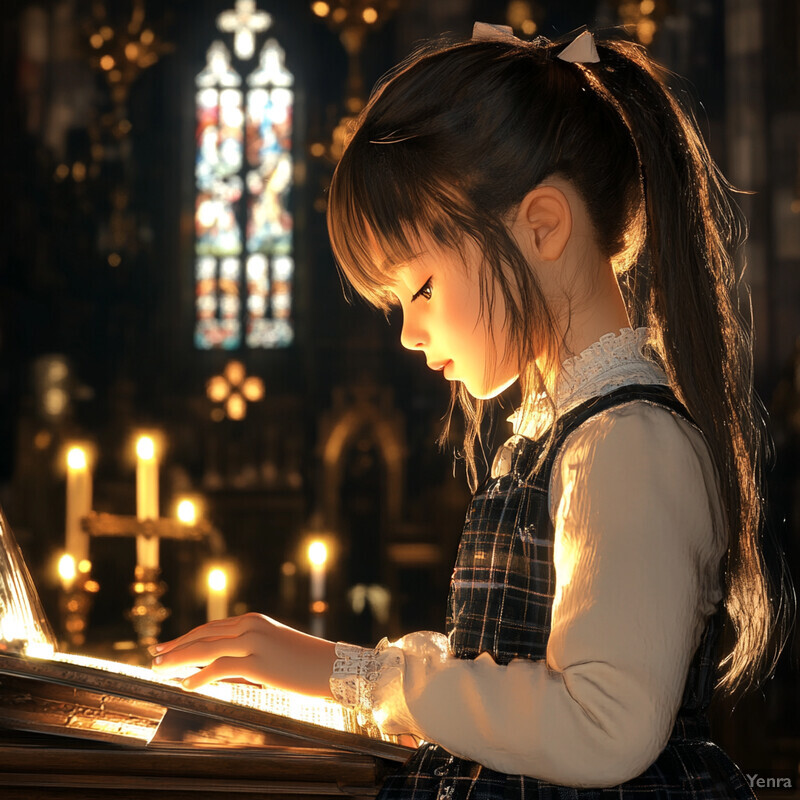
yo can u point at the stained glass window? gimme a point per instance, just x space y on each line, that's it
244 265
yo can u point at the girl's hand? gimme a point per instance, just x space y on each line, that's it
250 647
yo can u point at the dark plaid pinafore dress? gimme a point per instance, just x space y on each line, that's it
502 605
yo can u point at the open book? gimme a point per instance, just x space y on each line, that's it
44 690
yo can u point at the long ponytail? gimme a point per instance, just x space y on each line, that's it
685 288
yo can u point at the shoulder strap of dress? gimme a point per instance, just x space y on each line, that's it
651 393
523 454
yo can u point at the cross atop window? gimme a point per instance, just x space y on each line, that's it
243 21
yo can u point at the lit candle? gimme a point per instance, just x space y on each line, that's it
67 571
187 512
217 604
317 557
146 499
79 502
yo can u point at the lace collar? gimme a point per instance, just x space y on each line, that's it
616 359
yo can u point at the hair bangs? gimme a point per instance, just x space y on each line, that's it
383 198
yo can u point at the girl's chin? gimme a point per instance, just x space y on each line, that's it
488 392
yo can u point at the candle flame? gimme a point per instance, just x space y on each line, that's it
187 512
317 553
217 580
76 458
146 448
66 568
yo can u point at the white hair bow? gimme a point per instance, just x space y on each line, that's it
581 50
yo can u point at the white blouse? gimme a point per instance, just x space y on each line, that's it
639 535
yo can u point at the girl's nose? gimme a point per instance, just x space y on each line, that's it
412 337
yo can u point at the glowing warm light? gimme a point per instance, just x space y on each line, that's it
187 512
76 458
147 37
114 259
321 9
79 171
319 607
646 30
317 710
253 389
317 553
217 579
131 51
55 401
62 172
647 7
517 11
147 60
107 62
115 76
84 566
217 389
66 568
317 149
528 27
42 440
236 407
235 372
369 15
146 448
96 40
380 715
106 32
339 14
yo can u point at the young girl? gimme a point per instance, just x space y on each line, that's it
550 213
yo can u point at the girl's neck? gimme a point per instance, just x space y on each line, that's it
603 312
606 314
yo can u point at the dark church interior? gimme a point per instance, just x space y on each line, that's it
295 465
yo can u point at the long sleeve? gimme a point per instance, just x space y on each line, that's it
638 542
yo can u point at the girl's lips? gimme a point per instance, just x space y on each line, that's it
438 367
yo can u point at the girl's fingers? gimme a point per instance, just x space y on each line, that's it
217 627
225 667
200 653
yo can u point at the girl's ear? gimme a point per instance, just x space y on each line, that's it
544 222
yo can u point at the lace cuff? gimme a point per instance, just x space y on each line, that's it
357 670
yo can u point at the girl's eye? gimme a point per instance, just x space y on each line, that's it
426 291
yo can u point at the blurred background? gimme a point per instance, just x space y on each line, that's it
165 272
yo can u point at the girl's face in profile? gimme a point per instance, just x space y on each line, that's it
440 298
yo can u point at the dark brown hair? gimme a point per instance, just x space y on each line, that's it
449 144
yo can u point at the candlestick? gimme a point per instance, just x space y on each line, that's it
217 603
146 500
79 502
147 612
317 583
75 600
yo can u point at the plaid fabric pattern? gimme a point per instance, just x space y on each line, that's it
500 602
